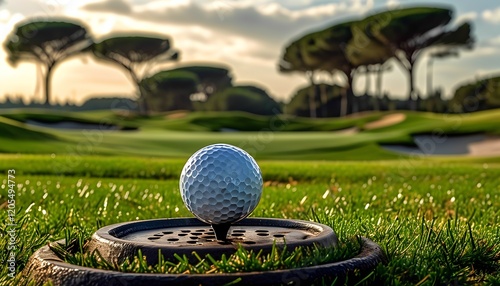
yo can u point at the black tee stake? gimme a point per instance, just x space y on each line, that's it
221 231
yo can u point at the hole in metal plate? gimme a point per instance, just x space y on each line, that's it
183 236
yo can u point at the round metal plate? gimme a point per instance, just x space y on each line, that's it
182 236
44 266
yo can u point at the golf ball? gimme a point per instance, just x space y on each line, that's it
221 184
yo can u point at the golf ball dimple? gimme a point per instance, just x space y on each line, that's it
221 184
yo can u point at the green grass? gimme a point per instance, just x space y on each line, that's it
274 137
437 220
241 260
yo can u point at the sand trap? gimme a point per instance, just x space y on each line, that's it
348 131
385 121
177 115
488 147
470 145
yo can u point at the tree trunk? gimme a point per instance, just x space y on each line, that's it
343 103
142 101
48 77
368 81
350 92
312 96
324 100
429 77
408 66
412 97
343 98
379 81
378 87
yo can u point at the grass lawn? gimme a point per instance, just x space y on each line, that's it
275 137
437 220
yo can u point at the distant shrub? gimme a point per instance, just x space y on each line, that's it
243 98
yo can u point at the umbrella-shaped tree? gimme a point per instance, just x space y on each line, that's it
211 78
47 43
340 48
343 48
408 32
136 54
335 40
293 61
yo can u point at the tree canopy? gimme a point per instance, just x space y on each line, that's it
48 43
408 32
244 98
479 95
211 78
298 104
171 90
136 54
404 34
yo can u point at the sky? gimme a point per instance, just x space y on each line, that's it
248 36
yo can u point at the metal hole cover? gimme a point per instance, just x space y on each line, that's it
44 266
182 236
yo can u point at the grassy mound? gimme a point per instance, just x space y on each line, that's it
265 137
241 121
56 116
13 130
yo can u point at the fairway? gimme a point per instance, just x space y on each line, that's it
436 220
264 137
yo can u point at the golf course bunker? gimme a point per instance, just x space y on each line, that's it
348 131
386 121
72 125
471 145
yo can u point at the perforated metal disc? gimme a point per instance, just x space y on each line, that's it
183 236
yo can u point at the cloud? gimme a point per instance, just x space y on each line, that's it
114 6
492 16
469 16
266 22
392 3
480 52
495 41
